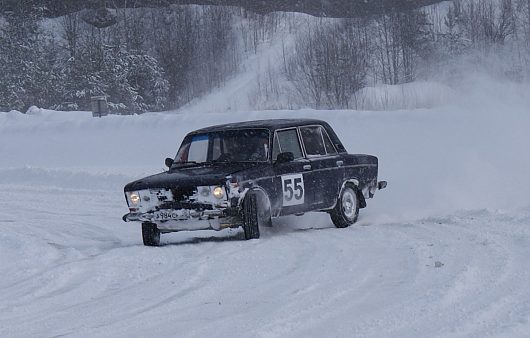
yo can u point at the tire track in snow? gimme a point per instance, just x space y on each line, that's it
320 303
458 305
371 281
490 306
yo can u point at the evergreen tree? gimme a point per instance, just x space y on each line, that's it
28 64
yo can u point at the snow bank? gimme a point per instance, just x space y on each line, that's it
63 178
467 155
406 96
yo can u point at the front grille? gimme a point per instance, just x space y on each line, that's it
186 205
183 193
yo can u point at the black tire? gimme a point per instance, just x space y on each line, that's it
150 234
346 211
251 217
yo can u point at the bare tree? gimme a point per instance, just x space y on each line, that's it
328 65
401 40
71 32
528 22
487 23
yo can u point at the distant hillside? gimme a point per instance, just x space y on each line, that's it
103 16
166 58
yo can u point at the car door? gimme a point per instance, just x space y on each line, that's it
326 172
294 191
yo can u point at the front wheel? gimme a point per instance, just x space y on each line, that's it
150 234
346 211
251 217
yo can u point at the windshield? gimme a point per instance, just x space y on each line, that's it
248 145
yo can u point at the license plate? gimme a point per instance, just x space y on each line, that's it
167 215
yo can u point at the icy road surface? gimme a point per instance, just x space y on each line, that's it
444 251
70 267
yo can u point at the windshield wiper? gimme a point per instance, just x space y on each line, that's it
183 164
237 162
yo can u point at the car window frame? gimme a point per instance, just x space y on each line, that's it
322 136
330 141
300 143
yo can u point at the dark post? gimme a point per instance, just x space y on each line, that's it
100 106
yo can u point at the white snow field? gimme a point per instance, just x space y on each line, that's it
442 252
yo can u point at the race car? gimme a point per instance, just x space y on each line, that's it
244 174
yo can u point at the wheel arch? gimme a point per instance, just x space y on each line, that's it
355 183
263 196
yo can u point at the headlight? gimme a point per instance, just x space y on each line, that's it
134 197
218 192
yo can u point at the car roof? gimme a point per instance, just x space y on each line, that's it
272 124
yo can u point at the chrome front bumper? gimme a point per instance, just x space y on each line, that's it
181 220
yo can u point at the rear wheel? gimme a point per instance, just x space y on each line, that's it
150 234
251 217
346 211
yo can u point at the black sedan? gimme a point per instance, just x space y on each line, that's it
245 174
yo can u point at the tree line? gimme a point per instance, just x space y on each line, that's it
333 60
151 60
162 58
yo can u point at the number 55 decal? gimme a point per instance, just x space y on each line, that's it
293 189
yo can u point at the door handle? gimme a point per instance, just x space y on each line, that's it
340 163
307 167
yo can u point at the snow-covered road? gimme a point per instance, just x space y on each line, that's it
71 267
442 252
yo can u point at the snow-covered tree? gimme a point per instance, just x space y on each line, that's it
28 64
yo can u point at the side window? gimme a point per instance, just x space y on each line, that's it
287 141
330 149
313 141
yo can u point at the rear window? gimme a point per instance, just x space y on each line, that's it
313 141
317 141
330 149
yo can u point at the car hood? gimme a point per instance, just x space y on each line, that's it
200 175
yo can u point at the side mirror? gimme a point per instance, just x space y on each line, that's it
285 157
169 162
